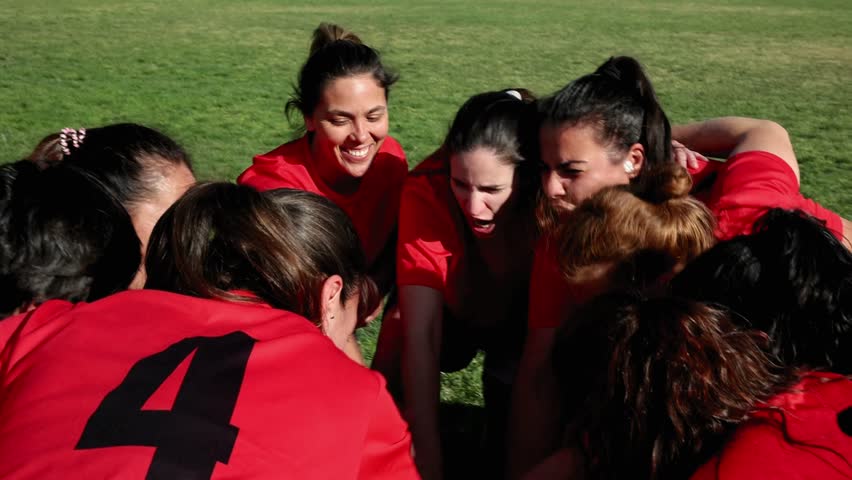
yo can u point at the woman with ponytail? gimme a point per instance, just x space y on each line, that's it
345 153
608 128
227 365
466 235
621 238
605 128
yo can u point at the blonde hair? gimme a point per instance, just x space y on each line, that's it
648 228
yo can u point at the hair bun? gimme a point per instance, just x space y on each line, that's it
327 33
627 71
666 182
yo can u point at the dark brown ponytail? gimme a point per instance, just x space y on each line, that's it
620 101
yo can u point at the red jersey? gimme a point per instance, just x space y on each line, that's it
149 384
431 244
373 208
749 184
437 250
550 296
744 188
805 433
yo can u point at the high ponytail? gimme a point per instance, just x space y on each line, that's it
335 53
620 101
641 231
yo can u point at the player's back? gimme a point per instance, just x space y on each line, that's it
149 384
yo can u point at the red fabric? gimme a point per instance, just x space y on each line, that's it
302 410
808 416
549 293
436 250
745 187
373 208
749 184
430 248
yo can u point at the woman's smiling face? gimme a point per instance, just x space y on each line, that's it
349 124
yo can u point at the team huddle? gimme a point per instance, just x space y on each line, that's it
645 311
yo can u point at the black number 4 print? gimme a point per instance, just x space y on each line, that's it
196 433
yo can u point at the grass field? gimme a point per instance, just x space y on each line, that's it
215 75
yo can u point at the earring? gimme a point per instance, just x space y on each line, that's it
629 167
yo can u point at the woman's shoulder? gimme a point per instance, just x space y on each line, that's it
804 429
391 146
287 166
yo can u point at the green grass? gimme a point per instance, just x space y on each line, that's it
215 74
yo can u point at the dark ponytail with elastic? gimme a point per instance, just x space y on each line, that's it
620 102
335 53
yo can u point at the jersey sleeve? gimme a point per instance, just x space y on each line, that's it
261 176
424 245
387 446
284 167
749 184
549 299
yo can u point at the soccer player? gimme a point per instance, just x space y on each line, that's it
228 365
466 234
345 153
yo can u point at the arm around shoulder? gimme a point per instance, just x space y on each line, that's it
728 136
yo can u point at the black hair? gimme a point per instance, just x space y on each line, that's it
792 279
619 101
335 53
128 159
63 235
497 120
502 122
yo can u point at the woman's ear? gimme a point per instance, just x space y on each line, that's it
331 307
636 157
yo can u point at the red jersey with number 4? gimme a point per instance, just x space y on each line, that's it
743 188
805 433
373 208
149 384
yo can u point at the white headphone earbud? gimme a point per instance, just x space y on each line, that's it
629 167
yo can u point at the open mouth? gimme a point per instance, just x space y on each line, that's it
356 154
481 227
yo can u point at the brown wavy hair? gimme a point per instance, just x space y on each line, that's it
663 381
644 231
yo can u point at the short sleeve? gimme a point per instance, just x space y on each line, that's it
284 167
749 184
426 236
387 446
